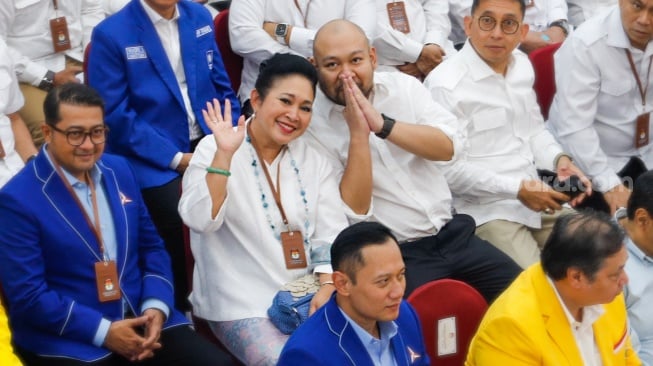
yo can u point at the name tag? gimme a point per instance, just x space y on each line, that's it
135 53
202 31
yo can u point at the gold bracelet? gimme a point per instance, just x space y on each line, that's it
327 283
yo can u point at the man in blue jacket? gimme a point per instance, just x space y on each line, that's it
156 64
86 276
366 322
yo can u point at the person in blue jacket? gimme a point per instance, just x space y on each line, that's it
86 276
156 64
366 322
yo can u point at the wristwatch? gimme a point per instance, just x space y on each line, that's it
281 31
562 24
388 124
47 83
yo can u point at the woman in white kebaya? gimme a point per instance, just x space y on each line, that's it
240 234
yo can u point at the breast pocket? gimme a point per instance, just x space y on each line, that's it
22 4
486 129
616 99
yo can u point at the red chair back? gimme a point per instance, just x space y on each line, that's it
449 312
87 51
545 83
233 63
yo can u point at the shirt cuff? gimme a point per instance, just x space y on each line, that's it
323 268
155 304
101 333
412 49
301 40
605 182
33 74
176 160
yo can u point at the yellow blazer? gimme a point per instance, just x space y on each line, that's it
527 325
7 357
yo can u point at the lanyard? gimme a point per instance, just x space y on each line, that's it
275 192
94 227
642 91
304 15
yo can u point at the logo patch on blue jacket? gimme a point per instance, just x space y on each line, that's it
202 31
135 53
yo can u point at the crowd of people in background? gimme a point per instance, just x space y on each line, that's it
375 146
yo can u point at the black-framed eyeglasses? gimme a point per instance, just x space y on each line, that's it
508 26
76 137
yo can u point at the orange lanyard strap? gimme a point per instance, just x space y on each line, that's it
96 228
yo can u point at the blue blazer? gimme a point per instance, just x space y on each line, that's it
128 66
327 339
47 256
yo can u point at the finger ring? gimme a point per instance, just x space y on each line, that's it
548 211
215 121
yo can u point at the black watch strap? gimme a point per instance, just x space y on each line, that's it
388 124
47 83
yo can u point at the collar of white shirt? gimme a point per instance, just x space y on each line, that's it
156 17
478 68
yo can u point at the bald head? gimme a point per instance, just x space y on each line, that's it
339 28
341 49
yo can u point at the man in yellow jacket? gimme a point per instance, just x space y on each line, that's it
7 357
567 310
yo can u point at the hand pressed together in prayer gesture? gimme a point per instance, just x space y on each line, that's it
359 111
226 136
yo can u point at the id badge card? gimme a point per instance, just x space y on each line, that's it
642 130
2 151
397 16
293 249
60 36
106 276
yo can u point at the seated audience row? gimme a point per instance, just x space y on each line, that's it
456 141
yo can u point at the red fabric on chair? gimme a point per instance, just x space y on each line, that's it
545 83
436 303
87 51
233 63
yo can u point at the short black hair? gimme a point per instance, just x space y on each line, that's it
522 6
583 240
642 195
281 65
346 251
70 93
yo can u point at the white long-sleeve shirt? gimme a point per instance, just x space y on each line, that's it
429 23
249 40
597 102
11 100
410 194
239 262
504 134
458 10
543 12
25 25
581 10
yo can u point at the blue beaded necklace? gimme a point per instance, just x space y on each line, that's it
264 199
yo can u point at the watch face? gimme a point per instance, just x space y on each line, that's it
281 30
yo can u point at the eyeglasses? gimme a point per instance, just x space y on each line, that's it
76 137
508 26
